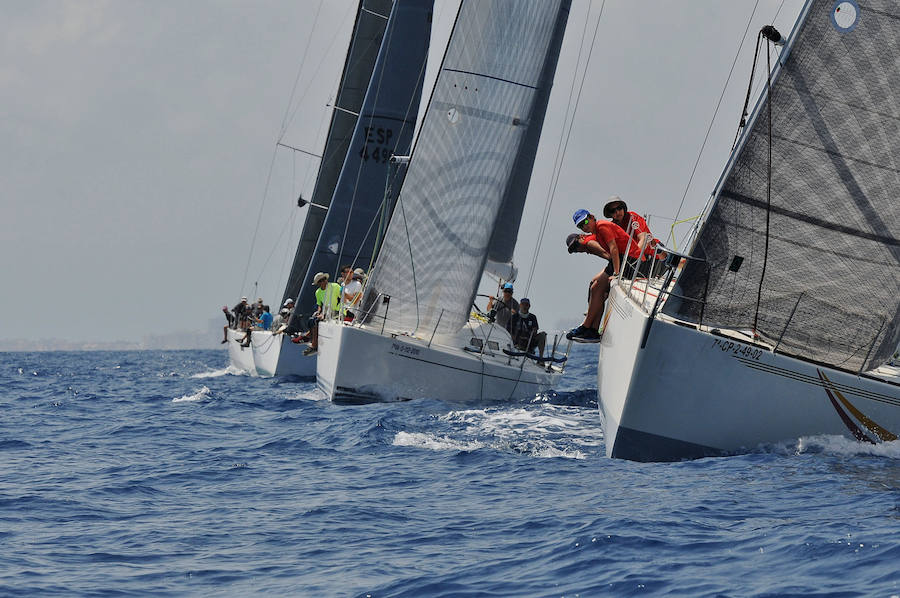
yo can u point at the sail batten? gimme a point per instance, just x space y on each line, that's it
826 267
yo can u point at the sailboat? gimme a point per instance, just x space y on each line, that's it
355 170
773 327
460 206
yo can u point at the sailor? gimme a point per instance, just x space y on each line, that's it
607 240
241 313
523 327
633 224
506 306
265 318
257 308
351 293
328 301
288 305
230 318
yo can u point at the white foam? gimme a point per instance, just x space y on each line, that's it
841 445
435 443
200 395
542 421
544 431
223 372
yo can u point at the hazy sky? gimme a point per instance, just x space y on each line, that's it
137 139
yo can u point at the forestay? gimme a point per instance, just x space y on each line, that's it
479 135
368 30
830 282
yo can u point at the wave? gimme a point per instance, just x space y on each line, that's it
200 395
435 443
841 445
222 372
543 431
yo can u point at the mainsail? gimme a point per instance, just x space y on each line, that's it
825 268
368 31
477 141
384 128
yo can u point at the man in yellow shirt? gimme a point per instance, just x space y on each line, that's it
328 302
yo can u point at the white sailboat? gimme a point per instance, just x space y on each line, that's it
460 206
775 326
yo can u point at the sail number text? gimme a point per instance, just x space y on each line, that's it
380 138
734 348
405 349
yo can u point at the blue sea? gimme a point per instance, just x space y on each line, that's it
165 474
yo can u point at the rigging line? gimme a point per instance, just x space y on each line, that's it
287 109
715 113
259 216
318 68
349 66
269 179
558 161
284 227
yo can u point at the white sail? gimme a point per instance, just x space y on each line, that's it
484 116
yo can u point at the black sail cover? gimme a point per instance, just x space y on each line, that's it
478 138
365 41
385 127
831 282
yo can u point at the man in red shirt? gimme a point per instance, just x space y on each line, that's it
609 241
634 224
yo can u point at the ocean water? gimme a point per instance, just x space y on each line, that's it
164 474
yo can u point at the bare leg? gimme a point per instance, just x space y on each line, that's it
599 293
314 336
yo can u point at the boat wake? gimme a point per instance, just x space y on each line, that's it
544 431
200 395
841 445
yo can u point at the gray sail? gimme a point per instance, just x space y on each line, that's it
368 31
385 127
484 116
829 282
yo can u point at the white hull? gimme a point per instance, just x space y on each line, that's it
690 393
276 355
359 365
241 357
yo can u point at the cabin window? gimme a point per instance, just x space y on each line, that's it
476 342
494 345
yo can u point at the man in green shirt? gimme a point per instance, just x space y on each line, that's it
328 301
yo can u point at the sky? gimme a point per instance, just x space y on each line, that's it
141 187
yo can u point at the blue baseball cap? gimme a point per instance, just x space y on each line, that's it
579 216
525 300
508 285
